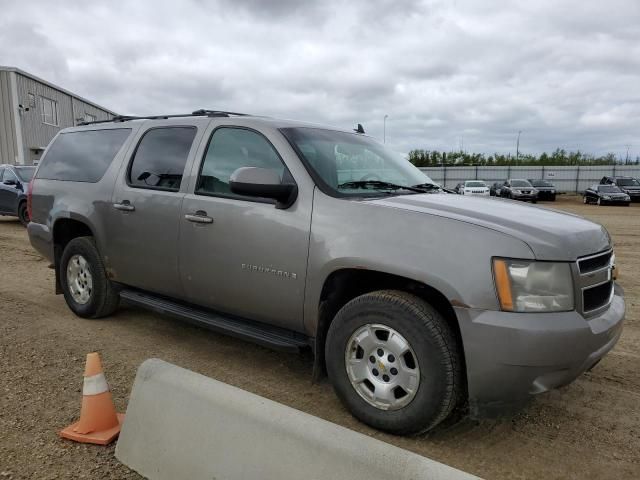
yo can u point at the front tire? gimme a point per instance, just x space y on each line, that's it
23 214
394 362
87 290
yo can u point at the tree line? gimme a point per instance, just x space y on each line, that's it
560 157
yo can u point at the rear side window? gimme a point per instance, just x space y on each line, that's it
160 158
82 156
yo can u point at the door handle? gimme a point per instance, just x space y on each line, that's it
199 217
125 206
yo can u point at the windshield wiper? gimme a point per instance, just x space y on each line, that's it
380 185
427 186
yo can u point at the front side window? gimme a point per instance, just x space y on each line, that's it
352 165
233 148
49 111
160 158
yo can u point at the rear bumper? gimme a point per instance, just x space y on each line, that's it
512 356
41 239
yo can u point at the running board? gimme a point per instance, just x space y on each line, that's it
266 335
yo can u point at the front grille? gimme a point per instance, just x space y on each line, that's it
596 297
595 262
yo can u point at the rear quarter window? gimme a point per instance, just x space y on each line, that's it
82 156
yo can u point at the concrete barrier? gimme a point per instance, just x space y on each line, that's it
180 424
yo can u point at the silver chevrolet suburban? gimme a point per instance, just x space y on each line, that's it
415 302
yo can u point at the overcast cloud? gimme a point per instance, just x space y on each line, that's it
565 72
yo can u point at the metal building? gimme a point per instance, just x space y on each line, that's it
33 110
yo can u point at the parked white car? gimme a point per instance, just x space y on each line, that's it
475 187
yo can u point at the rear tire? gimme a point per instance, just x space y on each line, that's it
415 378
23 213
87 290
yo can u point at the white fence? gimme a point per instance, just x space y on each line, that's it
566 179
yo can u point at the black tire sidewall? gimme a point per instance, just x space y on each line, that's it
431 403
84 246
23 213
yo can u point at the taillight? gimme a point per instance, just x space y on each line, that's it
30 199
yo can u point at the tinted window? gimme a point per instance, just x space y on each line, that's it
25 173
628 182
160 158
1 173
609 189
82 156
233 148
520 183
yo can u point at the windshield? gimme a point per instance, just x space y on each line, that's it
520 183
628 182
343 161
541 183
608 189
25 173
475 184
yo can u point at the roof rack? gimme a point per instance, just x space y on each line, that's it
197 113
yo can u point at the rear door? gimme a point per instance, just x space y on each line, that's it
146 207
249 258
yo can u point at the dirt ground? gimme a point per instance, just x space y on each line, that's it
589 429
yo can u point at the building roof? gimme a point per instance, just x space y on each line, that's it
49 84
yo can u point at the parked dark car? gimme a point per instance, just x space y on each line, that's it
495 188
629 185
14 183
606 195
519 189
546 190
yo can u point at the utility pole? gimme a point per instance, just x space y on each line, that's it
518 146
384 129
626 160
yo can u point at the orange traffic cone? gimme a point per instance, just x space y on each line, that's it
99 423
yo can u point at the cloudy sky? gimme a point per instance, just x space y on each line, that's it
446 72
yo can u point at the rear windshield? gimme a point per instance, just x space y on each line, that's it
82 156
25 173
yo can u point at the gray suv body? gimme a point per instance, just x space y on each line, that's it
414 301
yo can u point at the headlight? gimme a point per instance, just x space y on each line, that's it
627 197
552 191
530 286
606 197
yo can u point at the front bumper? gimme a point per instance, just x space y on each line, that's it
41 239
524 196
513 356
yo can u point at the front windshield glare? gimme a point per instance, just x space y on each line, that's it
475 184
338 159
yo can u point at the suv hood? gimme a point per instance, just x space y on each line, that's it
551 234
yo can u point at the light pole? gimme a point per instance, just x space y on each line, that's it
384 129
518 146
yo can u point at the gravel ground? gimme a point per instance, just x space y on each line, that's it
589 429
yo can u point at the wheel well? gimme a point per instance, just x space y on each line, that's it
343 286
65 230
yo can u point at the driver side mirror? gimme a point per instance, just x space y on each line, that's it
265 183
11 182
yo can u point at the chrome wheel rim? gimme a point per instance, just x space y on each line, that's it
79 279
382 367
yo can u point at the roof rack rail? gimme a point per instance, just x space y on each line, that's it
197 113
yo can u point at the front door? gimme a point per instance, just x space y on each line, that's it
242 255
145 213
9 193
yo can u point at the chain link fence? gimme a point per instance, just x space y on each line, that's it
571 179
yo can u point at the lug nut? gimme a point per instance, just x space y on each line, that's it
375 372
380 352
394 371
372 359
392 358
385 378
